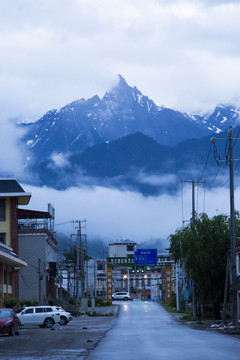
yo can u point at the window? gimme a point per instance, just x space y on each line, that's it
48 309
39 310
130 247
101 266
2 210
29 311
2 238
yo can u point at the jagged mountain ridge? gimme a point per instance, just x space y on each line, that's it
122 111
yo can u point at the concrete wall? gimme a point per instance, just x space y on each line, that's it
33 247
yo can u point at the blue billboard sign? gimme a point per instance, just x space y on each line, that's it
145 257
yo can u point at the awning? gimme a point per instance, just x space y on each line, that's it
11 260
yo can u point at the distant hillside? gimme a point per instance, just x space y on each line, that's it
135 162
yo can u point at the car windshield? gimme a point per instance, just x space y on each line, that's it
5 314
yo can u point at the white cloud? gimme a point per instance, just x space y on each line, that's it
156 180
60 159
116 215
12 154
182 54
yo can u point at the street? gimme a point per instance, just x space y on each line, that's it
72 341
145 330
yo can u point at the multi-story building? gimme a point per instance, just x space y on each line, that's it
38 246
142 282
11 196
96 274
122 249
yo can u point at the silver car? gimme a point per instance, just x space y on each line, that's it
65 316
121 295
44 316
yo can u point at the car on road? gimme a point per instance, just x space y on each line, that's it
65 316
44 316
9 322
121 295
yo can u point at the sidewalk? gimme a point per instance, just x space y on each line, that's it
104 310
208 324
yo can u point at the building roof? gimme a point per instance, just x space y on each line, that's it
123 243
11 188
32 214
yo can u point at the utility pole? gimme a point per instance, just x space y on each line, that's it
80 260
76 281
193 229
234 309
39 283
61 277
177 296
233 241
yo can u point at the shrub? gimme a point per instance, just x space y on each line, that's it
10 303
28 302
101 302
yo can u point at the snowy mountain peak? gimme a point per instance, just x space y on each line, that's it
122 111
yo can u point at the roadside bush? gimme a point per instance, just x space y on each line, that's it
71 301
173 301
75 313
28 302
10 303
101 302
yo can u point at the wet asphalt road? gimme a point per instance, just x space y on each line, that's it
145 330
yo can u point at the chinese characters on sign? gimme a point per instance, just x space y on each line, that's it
120 261
109 284
168 285
130 261
145 257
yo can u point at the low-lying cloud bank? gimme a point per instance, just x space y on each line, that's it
114 215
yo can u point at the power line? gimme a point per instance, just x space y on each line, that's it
205 165
230 159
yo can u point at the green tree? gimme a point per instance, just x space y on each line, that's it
203 248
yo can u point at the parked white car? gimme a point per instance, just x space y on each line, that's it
121 295
44 316
65 316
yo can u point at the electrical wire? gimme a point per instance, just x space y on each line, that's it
218 170
205 165
204 197
197 197
236 137
182 200
67 222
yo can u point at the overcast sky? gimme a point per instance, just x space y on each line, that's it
182 54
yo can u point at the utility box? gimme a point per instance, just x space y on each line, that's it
84 305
